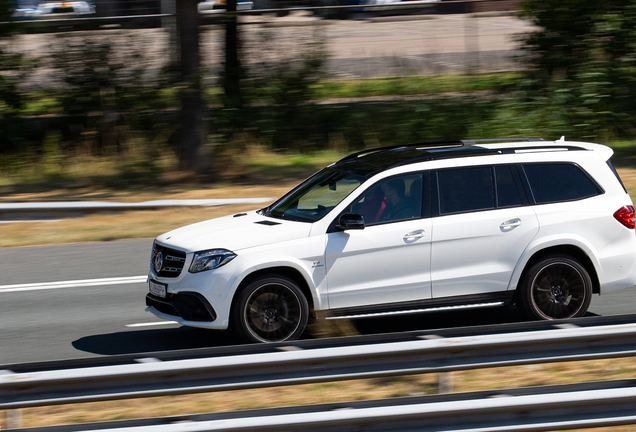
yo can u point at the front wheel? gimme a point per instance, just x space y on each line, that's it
556 287
270 309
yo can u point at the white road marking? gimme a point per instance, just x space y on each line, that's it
72 284
152 324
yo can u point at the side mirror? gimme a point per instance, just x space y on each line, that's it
350 221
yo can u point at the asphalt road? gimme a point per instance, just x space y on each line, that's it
73 320
82 321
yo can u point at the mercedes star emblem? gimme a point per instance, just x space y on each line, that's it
158 262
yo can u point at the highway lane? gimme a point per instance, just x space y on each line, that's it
82 321
87 321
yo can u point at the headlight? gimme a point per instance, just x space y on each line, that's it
210 259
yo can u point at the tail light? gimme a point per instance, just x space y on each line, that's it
625 215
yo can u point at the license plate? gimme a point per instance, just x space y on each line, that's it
157 289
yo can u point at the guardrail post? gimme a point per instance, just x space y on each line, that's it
14 418
445 382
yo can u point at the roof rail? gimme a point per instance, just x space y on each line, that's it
469 143
421 144
458 143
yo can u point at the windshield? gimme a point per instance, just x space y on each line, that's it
314 198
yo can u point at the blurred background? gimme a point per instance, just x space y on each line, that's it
105 90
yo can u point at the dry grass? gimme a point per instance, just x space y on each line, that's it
269 175
377 388
105 226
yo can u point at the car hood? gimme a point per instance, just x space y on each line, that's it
235 232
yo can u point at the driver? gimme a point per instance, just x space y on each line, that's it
399 206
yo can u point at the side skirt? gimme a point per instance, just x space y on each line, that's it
479 301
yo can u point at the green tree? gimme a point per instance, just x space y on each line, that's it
576 36
563 41
582 60
10 100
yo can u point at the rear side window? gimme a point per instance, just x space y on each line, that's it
465 189
557 182
507 193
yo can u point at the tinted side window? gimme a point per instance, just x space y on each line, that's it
465 189
507 193
393 199
556 182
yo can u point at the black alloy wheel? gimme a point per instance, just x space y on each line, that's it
556 287
271 309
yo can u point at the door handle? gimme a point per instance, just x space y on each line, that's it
509 225
414 235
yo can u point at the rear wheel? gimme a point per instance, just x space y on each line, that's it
556 287
270 309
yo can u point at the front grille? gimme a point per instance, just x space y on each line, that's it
171 260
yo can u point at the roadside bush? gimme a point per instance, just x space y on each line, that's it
580 66
108 83
278 82
12 67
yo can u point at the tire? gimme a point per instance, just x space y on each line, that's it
556 287
270 309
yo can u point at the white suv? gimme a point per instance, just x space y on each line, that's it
408 229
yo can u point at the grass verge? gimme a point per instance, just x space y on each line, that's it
416 85
42 103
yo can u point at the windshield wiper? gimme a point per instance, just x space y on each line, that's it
265 211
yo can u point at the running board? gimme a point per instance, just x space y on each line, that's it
422 310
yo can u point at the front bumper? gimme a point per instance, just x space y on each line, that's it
189 306
201 299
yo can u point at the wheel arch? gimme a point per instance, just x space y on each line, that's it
289 272
569 250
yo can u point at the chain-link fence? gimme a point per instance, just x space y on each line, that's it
371 43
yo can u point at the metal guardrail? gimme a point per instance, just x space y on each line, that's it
294 365
56 206
192 371
608 403
313 344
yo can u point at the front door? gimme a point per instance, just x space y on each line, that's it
389 260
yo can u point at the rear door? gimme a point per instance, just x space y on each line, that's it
480 230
